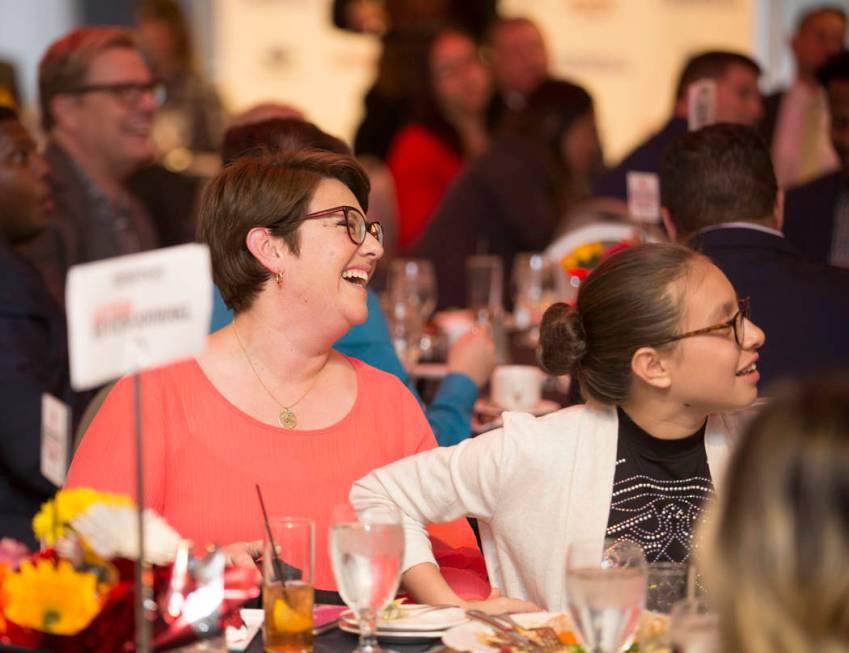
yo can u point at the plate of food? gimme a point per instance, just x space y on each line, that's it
476 637
413 617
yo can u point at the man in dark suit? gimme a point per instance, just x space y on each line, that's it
795 123
817 213
33 356
723 199
738 100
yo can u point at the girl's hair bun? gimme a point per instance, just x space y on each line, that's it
562 341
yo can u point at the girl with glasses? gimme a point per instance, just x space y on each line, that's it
663 353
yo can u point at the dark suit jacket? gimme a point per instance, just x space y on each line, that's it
645 158
802 307
809 215
33 360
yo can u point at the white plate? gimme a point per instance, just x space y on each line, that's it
432 620
470 636
396 636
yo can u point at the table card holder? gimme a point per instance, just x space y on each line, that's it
126 314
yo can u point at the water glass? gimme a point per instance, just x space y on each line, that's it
533 289
366 549
287 575
666 585
484 286
406 328
414 282
694 627
606 588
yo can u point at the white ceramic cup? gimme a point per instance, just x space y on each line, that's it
516 387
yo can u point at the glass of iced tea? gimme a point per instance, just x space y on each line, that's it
287 575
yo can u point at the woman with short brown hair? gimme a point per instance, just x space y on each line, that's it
268 402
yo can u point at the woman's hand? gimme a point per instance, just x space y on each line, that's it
242 554
497 604
473 355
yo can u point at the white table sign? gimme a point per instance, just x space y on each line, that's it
701 104
55 427
644 196
137 311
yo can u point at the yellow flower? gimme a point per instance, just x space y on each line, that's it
55 514
51 598
569 262
588 252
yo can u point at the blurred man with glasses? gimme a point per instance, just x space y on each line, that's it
721 197
97 104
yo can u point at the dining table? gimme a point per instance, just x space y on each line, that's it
337 641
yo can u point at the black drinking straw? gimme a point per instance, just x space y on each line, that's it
282 570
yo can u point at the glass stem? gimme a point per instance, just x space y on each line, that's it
368 628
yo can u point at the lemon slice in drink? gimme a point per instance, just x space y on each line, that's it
286 620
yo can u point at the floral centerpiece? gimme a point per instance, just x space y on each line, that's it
582 260
76 594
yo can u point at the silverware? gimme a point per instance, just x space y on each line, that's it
548 637
413 612
518 639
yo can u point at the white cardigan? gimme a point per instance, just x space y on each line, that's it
535 485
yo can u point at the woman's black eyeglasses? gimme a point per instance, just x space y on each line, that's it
355 221
737 323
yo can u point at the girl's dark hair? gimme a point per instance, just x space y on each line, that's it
626 303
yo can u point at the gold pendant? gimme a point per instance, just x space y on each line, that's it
287 419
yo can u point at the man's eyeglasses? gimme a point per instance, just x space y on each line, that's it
737 323
355 221
127 93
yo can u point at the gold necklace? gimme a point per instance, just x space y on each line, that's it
286 418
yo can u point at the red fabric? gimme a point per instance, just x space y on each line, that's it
423 167
203 456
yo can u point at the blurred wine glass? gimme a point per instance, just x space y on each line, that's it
414 281
606 589
366 548
534 289
410 300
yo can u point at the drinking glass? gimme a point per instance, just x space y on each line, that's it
666 585
606 589
406 329
414 281
484 275
287 573
533 288
366 548
694 627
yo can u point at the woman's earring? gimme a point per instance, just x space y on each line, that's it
278 277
